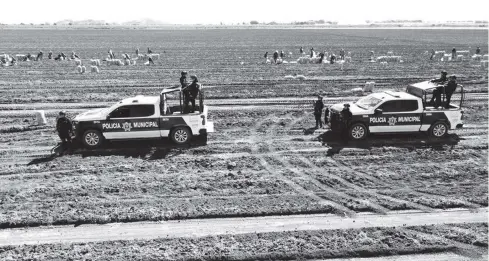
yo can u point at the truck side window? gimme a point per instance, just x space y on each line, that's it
121 112
130 111
409 105
389 106
399 106
142 110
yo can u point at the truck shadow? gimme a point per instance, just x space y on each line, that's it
409 141
146 149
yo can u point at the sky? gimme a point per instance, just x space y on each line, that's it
217 11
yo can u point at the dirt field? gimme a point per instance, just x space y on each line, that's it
264 159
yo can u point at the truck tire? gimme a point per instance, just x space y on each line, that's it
357 131
92 139
180 135
438 130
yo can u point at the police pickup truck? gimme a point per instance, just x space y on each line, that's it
142 117
399 112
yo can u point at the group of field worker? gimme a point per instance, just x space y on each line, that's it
190 91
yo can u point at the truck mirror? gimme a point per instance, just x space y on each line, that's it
378 111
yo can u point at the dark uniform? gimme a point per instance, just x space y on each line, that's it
318 110
346 117
50 55
137 52
332 59
64 128
432 54
301 51
450 89
192 91
282 55
275 56
183 83
478 50
326 115
321 57
438 91
312 52
39 56
266 55
342 54
454 53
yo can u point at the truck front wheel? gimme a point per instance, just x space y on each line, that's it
357 131
92 139
180 135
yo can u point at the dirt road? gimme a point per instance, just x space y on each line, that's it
220 226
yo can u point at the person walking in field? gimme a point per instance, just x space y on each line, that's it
342 54
318 110
312 52
432 54
64 128
454 53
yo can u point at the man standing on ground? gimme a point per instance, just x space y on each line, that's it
318 110
345 120
64 128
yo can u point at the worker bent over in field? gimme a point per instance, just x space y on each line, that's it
275 56
64 128
318 109
192 92
346 116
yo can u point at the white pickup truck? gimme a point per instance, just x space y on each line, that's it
142 117
396 112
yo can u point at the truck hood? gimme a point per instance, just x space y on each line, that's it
96 114
355 110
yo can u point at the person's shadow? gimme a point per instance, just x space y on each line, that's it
410 141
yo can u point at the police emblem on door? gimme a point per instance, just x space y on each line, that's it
126 126
392 121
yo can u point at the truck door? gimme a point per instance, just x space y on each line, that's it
132 121
397 116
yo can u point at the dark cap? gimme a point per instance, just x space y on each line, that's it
184 72
346 105
453 76
62 113
193 77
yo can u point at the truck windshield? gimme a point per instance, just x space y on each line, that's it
367 102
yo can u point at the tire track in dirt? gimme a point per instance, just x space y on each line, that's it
327 189
337 208
350 185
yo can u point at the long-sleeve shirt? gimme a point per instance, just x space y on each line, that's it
318 107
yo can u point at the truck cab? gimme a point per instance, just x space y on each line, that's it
398 112
143 117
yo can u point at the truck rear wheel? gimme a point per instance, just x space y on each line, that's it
92 139
180 135
357 131
439 130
